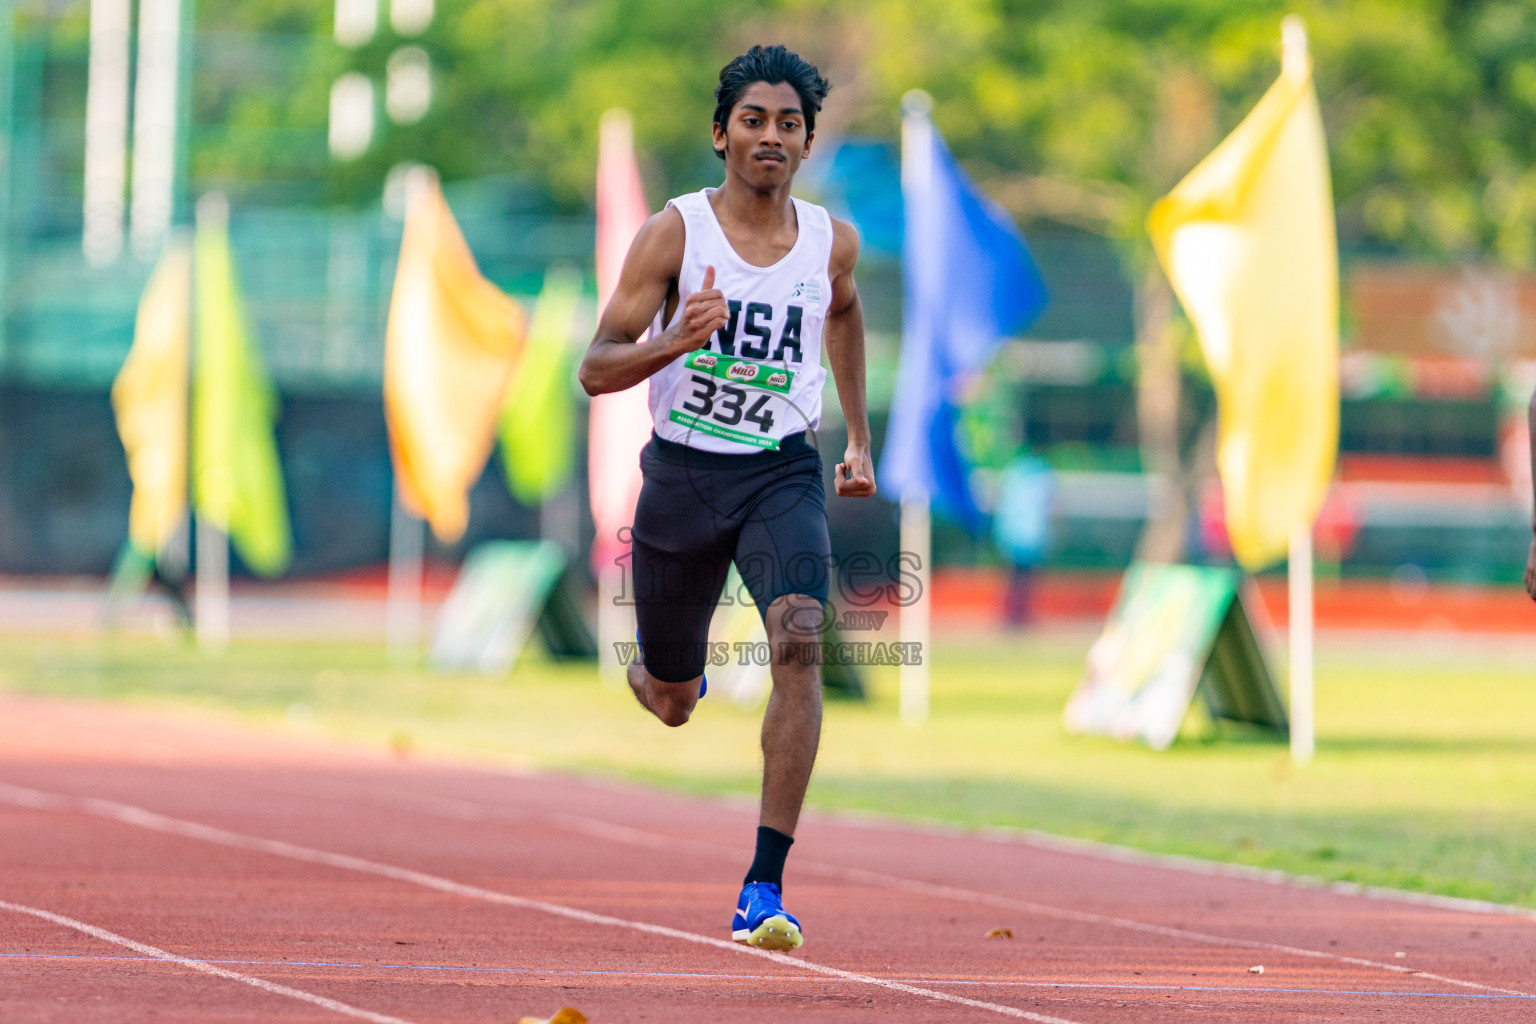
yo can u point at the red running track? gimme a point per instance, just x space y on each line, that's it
158 868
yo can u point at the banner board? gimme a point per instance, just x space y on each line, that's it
1175 630
1474 313
504 591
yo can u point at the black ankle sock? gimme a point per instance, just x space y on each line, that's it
768 863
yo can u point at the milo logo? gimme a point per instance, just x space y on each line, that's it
778 379
704 362
742 371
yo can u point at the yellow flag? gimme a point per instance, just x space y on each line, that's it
538 419
237 481
452 341
150 399
1247 239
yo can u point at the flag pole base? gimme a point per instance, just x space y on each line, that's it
407 551
916 545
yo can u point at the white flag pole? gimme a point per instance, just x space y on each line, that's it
916 544
211 598
407 549
916 178
407 532
1293 62
106 129
156 96
1293 46
916 143
1299 584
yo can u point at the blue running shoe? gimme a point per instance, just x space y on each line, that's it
703 679
761 920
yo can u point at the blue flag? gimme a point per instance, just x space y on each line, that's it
968 282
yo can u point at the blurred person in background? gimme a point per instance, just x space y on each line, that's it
743 283
1021 527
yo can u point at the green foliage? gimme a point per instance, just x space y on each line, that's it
1430 105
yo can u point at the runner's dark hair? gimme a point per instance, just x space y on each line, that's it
771 64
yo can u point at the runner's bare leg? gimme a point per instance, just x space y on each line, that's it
671 702
792 723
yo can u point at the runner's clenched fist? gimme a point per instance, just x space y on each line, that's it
854 477
704 313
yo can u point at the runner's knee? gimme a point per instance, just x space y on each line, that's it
795 619
794 624
674 702
674 715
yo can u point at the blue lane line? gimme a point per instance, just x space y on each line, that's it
1238 988
801 977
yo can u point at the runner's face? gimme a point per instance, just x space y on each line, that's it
765 138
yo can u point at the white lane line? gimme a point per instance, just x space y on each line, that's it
1053 843
336 1006
1085 917
598 829
959 981
139 817
1179 862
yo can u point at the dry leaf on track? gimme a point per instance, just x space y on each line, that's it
567 1015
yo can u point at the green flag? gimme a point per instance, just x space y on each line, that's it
237 484
538 422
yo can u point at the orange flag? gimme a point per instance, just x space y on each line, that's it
450 348
620 422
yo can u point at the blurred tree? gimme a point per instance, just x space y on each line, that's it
1078 111
1082 112
518 87
1087 112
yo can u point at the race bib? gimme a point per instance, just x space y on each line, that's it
739 400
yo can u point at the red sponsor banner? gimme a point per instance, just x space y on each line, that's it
1480 314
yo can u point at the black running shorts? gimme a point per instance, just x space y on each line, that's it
698 512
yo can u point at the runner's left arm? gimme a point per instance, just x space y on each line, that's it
844 342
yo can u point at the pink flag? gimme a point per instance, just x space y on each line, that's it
621 421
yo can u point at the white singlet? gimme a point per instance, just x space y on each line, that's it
760 377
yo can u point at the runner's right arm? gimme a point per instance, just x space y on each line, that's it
613 361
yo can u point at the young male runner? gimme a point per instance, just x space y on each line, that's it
745 284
